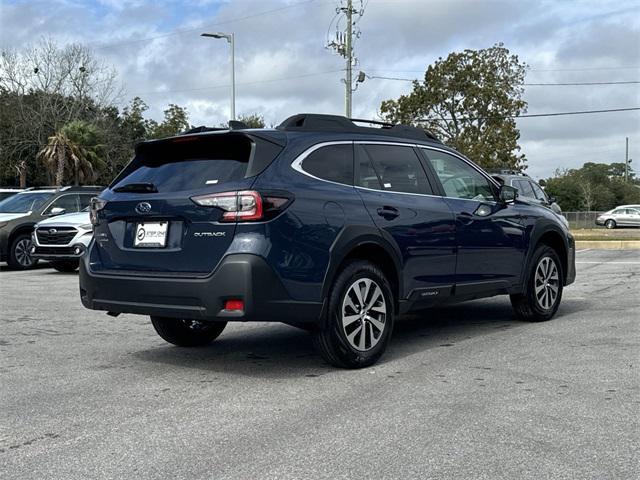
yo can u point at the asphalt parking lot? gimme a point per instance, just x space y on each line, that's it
463 392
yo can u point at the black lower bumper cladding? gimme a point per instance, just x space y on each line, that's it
242 276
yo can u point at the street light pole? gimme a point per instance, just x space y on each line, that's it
231 40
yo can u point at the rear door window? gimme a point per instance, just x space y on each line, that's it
398 169
333 163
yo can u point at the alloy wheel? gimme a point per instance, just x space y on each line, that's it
22 252
364 312
547 283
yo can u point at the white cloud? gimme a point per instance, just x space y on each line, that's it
399 38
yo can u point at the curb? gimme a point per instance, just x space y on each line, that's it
608 244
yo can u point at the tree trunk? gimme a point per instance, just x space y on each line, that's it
61 161
22 173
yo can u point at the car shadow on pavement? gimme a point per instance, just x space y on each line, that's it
279 351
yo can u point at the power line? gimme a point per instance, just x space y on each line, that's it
547 84
581 83
100 46
537 115
255 82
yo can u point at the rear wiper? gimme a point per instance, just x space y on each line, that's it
137 188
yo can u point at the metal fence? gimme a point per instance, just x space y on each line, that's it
582 219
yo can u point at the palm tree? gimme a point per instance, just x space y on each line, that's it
63 156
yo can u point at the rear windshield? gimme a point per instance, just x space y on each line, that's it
188 163
24 202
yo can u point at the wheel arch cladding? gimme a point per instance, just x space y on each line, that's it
371 248
21 230
555 240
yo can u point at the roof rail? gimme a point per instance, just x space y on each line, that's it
336 123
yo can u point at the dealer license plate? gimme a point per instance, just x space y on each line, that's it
151 234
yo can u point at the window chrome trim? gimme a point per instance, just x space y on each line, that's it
297 166
297 163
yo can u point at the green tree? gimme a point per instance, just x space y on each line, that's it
594 186
253 120
61 155
469 100
176 120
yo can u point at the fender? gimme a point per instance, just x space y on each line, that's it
354 236
541 227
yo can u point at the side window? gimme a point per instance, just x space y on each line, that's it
85 200
333 163
398 168
68 202
459 179
527 191
366 175
619 211
539 193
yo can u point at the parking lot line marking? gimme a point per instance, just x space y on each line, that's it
615 263
585 250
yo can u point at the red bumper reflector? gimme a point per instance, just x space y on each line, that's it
234 305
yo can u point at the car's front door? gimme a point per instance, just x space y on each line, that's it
633 215
394 187
490 236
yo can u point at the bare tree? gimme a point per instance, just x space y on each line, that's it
47 86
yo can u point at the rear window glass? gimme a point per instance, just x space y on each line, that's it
333 163
189 163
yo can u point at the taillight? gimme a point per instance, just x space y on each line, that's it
246 205
236 206
96 206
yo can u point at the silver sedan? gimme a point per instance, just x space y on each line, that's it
620 217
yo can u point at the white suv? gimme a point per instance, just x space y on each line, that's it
62 240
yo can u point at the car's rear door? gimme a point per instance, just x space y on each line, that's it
152 198
400 199
490 236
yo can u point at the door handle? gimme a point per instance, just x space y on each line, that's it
388 213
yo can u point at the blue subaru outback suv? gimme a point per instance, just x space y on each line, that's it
318 223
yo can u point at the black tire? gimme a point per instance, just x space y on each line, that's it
20 253
187 333
66 265
331 338
530 305
610 224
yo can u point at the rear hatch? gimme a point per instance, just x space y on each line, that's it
149 223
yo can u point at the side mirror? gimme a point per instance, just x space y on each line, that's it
552 200
508 194
57 211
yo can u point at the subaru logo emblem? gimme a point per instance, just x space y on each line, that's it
143 207
52 231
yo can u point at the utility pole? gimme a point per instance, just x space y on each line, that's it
626 160
349 55
343 46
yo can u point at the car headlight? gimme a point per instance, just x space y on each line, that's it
88 226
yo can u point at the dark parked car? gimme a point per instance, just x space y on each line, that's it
320 224
8 192
19 214
527 188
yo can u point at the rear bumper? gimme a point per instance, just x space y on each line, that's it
242 276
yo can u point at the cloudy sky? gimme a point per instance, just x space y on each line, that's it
283 67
